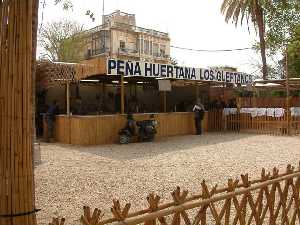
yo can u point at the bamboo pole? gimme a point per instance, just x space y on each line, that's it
18 21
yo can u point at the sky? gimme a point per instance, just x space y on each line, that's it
190 24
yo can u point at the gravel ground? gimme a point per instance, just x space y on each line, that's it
72 176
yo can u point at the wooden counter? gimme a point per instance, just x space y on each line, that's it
103 129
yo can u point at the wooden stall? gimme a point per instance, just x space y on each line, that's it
135 87
103 129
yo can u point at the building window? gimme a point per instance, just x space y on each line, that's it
162 50
146 47
122 45
95 44
155 49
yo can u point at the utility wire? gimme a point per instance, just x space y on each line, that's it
216 50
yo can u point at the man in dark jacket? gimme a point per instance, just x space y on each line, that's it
53 110
199 115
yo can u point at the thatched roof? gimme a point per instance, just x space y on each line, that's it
48 72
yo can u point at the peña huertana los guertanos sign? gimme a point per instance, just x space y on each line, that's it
156 70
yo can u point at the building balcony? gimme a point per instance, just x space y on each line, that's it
128 52
161 56
96 52
140 29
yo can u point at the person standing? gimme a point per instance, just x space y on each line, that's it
52 111
199 115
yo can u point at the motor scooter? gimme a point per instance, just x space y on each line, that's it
145 130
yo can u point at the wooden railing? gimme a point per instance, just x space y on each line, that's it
286 125
215 121
295 125
271 199
242 122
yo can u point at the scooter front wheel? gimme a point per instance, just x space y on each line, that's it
124 139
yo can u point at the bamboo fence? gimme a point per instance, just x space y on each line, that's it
18 21
271 199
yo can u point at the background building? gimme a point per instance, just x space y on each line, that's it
119 37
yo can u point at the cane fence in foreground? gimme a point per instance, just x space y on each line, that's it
271 199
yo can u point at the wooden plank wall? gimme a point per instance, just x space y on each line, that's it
98 66
96 130
17 35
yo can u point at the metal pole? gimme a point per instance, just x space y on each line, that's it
103 11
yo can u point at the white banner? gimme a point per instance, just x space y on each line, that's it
155 70
164 85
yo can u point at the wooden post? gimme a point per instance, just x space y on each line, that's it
254 104
103 89
197 91
122 95
165 101
68 97
288 118
17 34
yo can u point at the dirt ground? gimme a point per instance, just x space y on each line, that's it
73 176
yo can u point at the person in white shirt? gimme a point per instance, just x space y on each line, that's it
199 115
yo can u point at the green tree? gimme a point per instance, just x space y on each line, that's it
294 54
62 41
253 10
281 19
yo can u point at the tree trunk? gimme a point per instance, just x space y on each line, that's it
17 36
261 30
